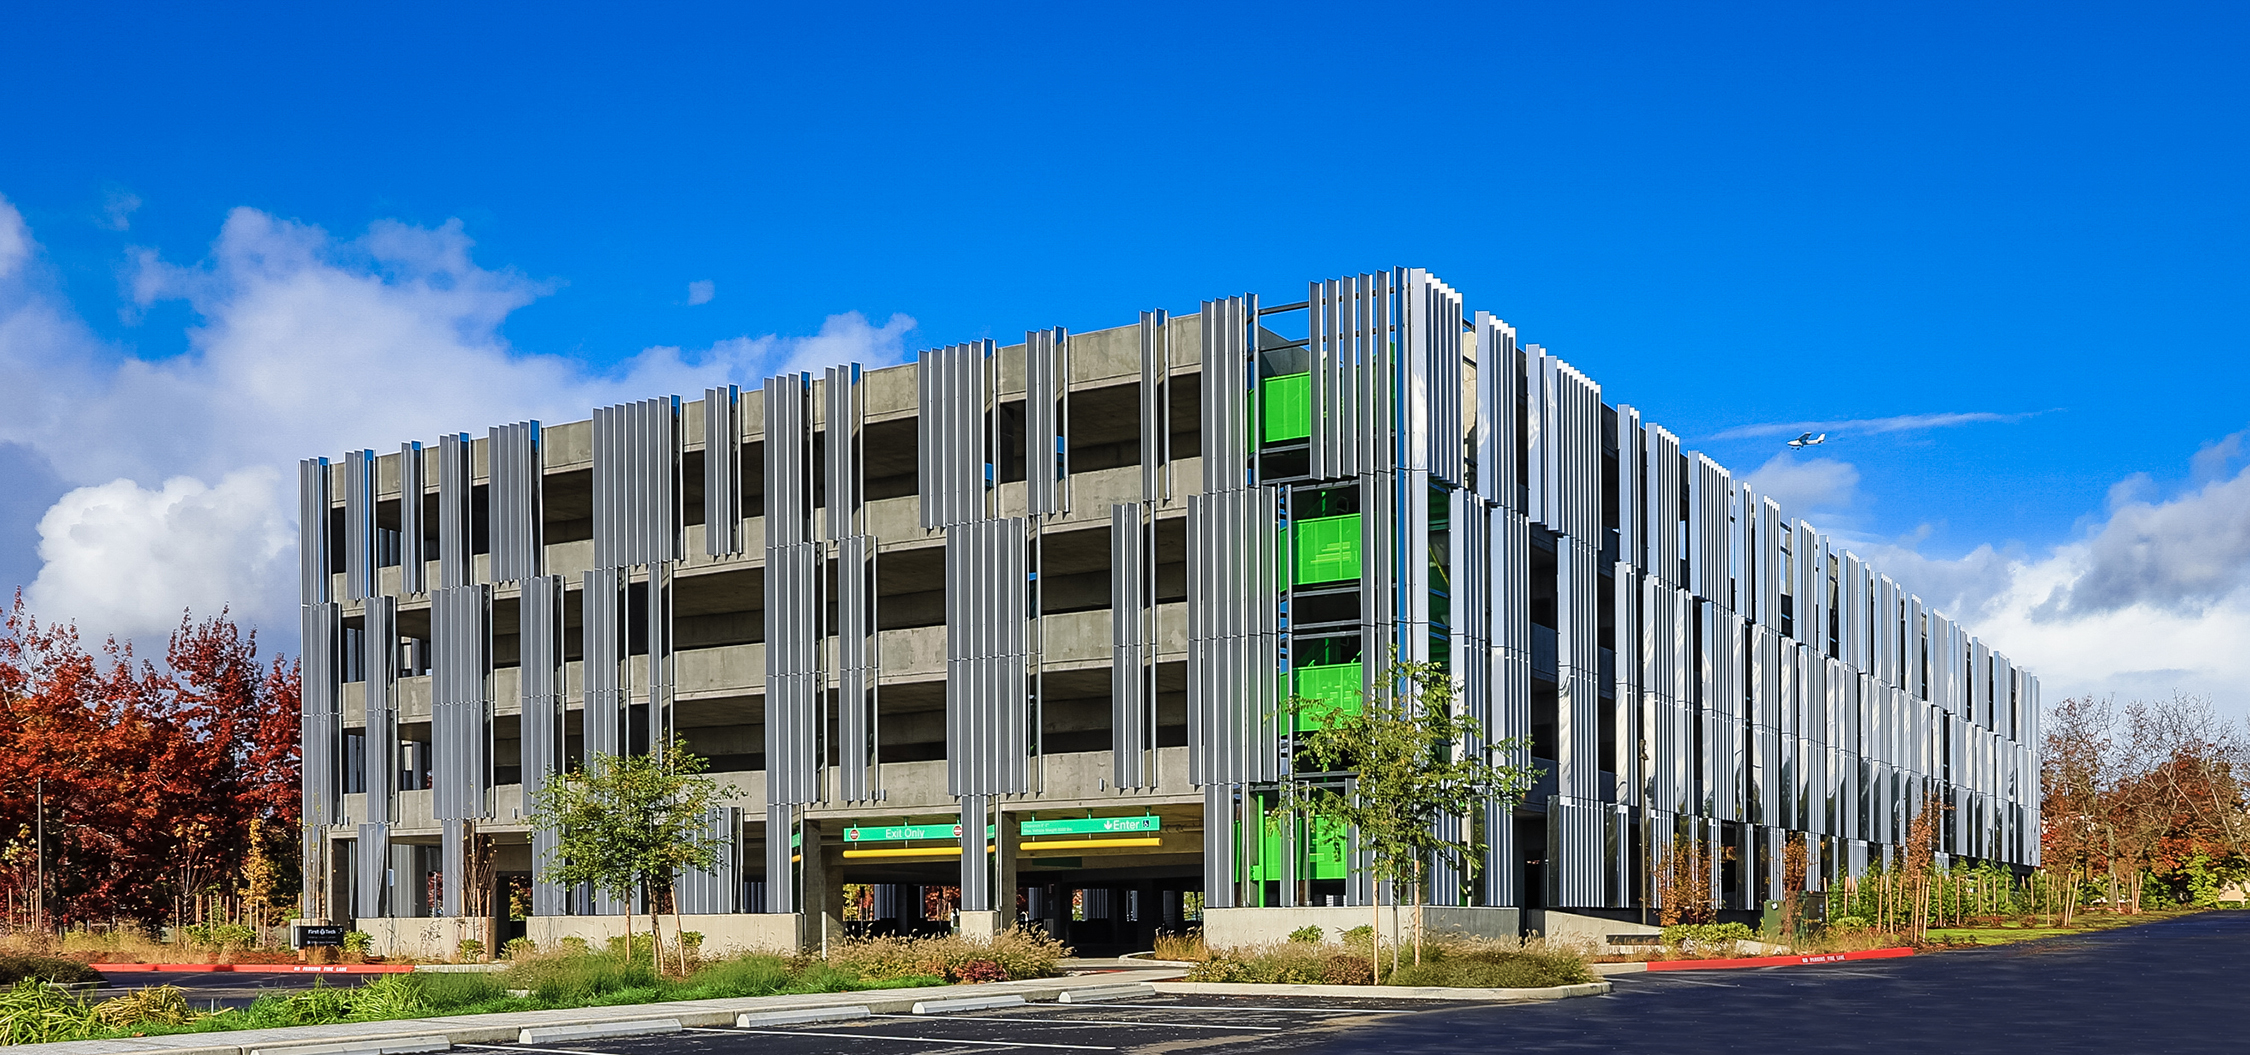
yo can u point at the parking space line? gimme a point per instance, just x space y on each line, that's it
1087 1023
543 1051
892 1036
1263 1007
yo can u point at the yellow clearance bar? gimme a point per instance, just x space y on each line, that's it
1090 844
1055 844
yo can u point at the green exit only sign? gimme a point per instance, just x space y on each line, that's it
902 833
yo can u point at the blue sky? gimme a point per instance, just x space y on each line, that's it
1998 252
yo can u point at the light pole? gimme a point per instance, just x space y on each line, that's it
39 837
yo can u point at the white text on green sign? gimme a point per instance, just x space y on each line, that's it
902 833
1092 825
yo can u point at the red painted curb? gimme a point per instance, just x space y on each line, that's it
256 968
1777 961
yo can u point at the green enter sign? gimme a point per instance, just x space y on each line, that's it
1092 826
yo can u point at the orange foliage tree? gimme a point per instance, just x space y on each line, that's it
153 774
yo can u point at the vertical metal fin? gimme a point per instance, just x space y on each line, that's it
514 526
1234 728
1046 408
543 698
359 525
1156 407
955 429
989 733
637 459
312 531
1132 645
455 565
722 471
413 569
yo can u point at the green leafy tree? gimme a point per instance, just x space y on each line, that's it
629 825
1410 750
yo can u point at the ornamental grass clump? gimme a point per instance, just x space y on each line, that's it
34 1012
1020 953
1476 963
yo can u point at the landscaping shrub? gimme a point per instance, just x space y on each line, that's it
980 971
519 948
1308 934
1707 934
470 949
752 975
1181 948
33 1012
1215 969
1472 963
17 967
319 1005
157 1004
1347 970
1020 953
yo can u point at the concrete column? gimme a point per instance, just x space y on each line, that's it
822 907
1004 871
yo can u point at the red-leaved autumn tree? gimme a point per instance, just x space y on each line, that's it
153 774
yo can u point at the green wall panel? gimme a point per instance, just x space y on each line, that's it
1288 407
1328 549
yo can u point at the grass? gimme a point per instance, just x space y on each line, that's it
2086 922
573 977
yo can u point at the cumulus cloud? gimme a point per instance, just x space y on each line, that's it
123 558
118 207
177 472
2152 598
701 291
15 240
1806 486
1870 426
2180 555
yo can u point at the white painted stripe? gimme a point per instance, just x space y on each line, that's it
1264 1007
1091 1023
885 1036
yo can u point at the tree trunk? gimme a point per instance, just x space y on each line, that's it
1375 934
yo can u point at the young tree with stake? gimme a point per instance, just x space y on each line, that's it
1416 761
629 825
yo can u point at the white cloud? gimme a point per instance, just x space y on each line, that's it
118 207
2154 598
15 239
701 291
127 560
1806 486
305 344
1870 426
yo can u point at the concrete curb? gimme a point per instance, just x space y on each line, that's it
506 1028
1778 961
1387 992
1607 969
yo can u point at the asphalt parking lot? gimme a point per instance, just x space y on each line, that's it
2174 986
1143 1024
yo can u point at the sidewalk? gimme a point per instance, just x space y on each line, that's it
505 1028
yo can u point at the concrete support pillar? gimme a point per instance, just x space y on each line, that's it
822 906
1004 840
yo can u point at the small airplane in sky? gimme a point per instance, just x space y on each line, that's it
1808 440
